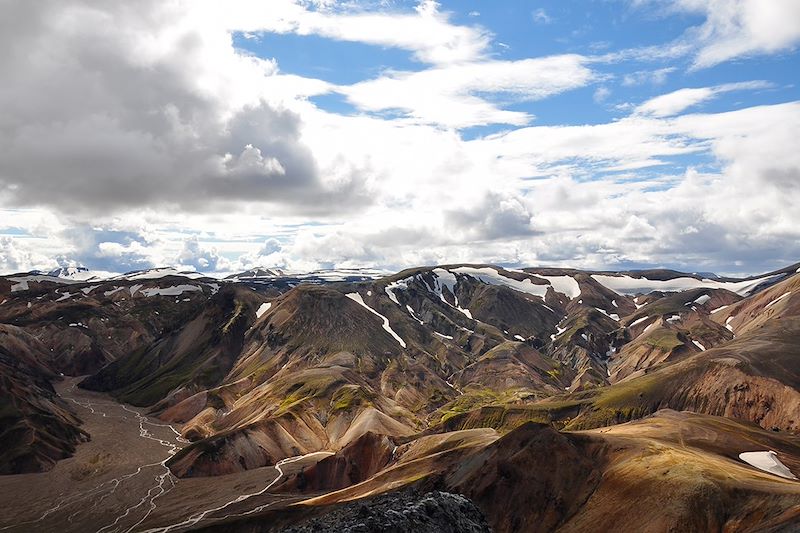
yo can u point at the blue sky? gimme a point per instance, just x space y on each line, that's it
309 133
522 29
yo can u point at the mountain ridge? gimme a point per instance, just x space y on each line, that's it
399 379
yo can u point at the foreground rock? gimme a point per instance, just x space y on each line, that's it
433 512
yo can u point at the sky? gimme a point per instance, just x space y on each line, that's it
304 134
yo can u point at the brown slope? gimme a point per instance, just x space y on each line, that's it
754 377
86 325
37 427
196 355
316 365
780 300
356 462
670 472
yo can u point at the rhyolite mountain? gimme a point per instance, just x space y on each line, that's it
470 379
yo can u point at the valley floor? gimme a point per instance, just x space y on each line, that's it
117 482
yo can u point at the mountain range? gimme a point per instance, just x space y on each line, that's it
540 399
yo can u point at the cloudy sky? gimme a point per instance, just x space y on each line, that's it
220 135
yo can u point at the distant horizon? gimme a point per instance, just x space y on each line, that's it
102 275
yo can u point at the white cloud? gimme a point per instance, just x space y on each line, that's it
111 107
732 29
427 32
601 94
677 101
540 16
156 108
653 77
741 28
204 259
450 96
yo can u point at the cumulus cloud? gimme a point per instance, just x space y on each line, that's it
737 28
134 127
113 106
496 216
16 257
204 259
270 247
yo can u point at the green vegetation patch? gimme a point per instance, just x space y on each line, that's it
312 387
473 399
350 396
664 339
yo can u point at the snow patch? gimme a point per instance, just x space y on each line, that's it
768 462
559 331
442 335
718 309
778 299
414 315
638 321
491 276
158 273
612 316
630 285
702 299
728 323
21 283
566 285
519 338
399 284
66 296
263 308
175 290
360 301
674 318
697 343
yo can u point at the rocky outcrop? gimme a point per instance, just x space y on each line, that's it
433 512
353 464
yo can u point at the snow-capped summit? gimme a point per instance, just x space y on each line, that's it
158 273
257 272
77 273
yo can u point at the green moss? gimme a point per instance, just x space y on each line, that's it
474 399
664 339
236 312
301 391
351 396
